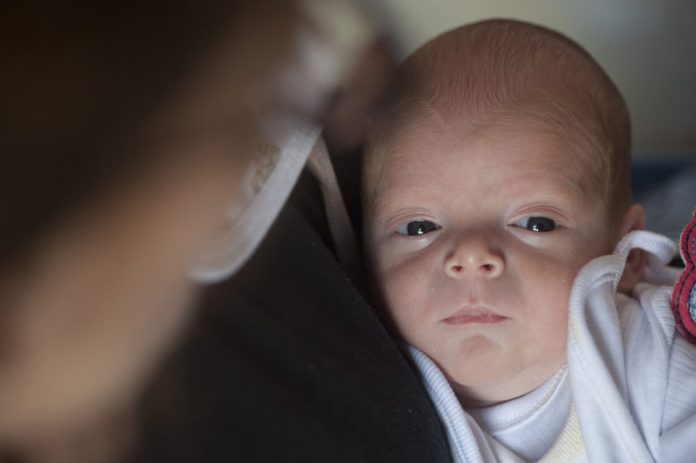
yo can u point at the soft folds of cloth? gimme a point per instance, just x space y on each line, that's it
276 166
630 373
624 357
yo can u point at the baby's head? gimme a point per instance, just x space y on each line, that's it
499 168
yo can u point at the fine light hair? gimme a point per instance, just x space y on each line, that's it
509 72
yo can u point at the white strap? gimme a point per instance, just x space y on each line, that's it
339 223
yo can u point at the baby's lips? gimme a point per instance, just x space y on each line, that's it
684 294
474 315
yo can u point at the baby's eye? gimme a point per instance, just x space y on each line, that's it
537 224
417 227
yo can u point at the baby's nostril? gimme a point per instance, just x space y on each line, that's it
487 267
456 268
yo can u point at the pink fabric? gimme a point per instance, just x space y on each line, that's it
684 295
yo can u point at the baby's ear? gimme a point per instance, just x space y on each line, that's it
633 219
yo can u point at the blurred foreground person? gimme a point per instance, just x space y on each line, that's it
131 169
285 360
126 128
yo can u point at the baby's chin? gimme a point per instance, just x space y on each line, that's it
501 386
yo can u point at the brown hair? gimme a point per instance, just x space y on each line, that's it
82 80
500 70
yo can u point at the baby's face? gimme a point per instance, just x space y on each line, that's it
476 238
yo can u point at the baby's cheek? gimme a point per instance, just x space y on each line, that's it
397 291
548 283
403 295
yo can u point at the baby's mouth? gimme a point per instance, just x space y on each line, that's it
474 315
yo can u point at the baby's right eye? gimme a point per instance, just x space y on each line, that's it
417 227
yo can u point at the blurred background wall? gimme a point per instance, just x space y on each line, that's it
648 47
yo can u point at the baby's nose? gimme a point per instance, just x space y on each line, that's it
473 256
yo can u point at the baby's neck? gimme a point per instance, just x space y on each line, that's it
471 398
530 424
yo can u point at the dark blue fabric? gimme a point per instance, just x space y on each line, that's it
649 174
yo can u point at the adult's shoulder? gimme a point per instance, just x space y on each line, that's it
287 361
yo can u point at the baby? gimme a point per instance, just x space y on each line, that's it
499 169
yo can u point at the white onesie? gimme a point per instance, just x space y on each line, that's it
628 393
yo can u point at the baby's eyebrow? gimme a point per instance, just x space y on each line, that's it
386 210
554 180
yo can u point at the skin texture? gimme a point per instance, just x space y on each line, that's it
480 294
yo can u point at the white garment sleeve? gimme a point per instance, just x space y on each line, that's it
632 375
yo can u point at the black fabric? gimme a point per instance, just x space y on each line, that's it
287 362
348 167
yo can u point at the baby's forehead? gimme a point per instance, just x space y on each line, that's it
484 146
408 128
463 139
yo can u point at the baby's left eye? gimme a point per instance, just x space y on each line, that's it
537 224
417 227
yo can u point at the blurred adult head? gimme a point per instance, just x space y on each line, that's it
125 130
